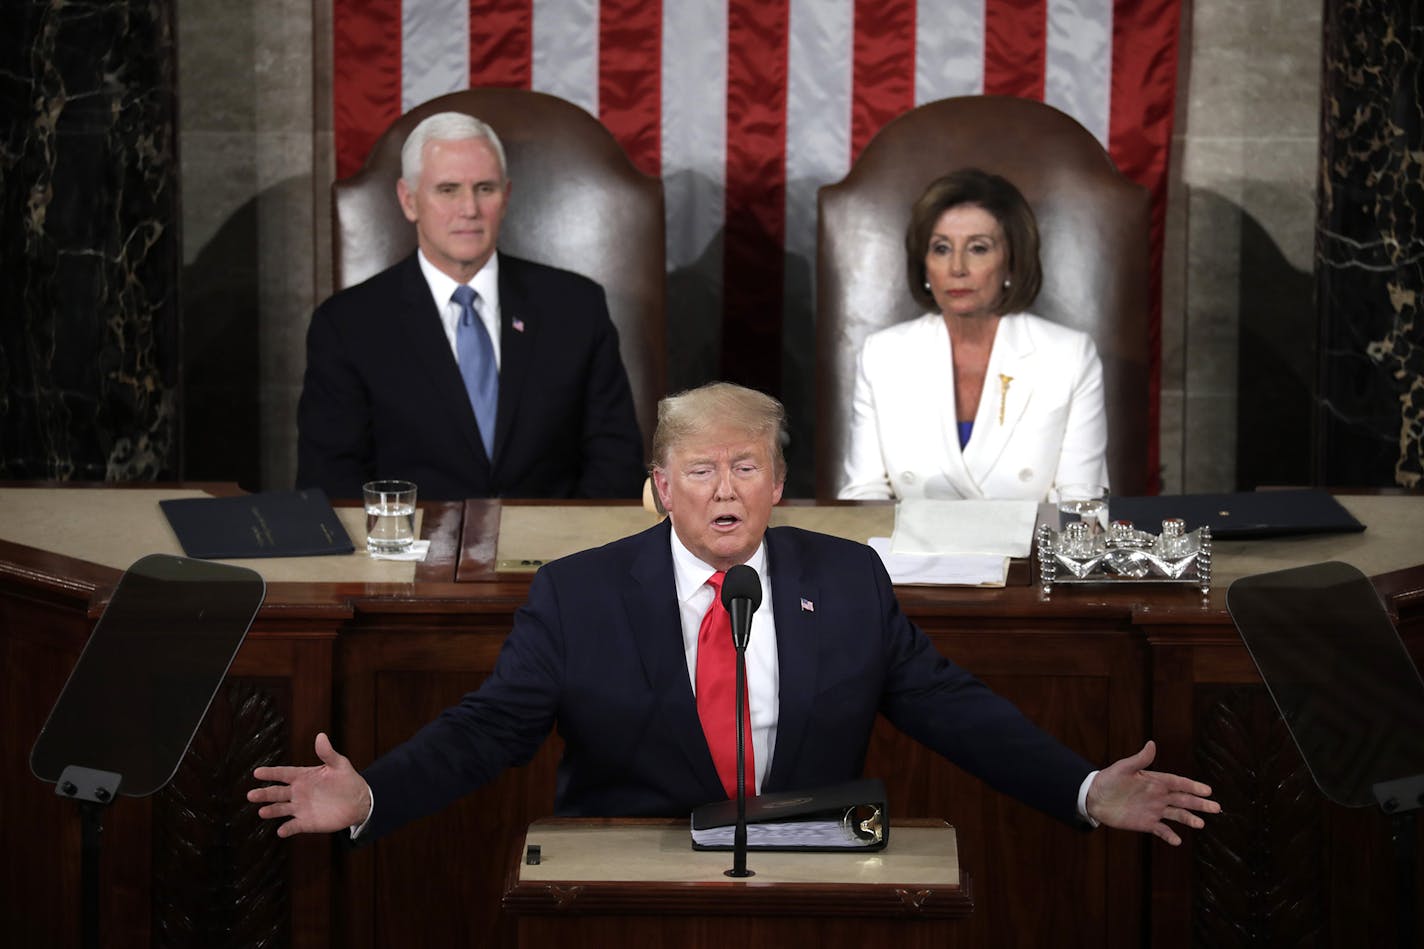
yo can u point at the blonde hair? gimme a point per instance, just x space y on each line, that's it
695 411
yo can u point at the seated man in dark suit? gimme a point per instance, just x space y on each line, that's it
616 645
469 372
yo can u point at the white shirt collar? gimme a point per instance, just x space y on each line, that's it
691 574
485 283
442 285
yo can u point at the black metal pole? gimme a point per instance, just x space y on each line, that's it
739 835
1404 831
91 818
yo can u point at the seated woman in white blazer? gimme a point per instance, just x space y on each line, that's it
977 398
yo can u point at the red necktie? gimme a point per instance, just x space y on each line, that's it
716 684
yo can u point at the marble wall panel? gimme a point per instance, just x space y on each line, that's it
220 301
1255 68
1276 345
1172 328
1370 247
286 298
1173 412
323 147
1240 199
250 266
89 248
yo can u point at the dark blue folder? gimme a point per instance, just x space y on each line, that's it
1243 514
268 524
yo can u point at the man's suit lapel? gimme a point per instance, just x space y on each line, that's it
434 361
1008 385
519 328
652 612
798 644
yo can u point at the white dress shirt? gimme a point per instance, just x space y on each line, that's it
694 596
485 283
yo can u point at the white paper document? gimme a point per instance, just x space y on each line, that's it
783 835
416 551
1003 528
965 570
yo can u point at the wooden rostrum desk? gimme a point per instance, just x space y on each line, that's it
614 882
369 652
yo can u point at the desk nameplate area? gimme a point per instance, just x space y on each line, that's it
114 527
529 535
1394 523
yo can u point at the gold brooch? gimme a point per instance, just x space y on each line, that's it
1003 394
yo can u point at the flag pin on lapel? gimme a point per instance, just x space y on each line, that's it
807 606
518 325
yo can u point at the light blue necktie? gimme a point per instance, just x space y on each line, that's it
475 353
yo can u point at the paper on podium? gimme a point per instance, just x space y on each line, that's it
960 570
1003 528
848 816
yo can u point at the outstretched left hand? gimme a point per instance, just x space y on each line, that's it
1127 796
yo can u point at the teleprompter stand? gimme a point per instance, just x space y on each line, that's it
1349 694
139 692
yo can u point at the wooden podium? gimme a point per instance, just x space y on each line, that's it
607 883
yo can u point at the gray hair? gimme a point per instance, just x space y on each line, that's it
695 411
445 127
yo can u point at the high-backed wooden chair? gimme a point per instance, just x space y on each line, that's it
1092 221
578 203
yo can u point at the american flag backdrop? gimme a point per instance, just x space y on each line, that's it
746 107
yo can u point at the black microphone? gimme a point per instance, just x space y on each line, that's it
741 595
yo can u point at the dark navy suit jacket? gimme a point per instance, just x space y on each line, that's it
597 651
383 396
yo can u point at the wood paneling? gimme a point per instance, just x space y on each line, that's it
1103 669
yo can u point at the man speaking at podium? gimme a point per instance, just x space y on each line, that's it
607 648
470 372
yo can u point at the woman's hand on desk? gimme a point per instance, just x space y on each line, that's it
1126 796
327 797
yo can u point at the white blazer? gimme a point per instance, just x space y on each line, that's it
1040 422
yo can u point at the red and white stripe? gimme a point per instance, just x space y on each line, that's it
746 107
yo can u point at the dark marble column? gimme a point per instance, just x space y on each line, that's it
1369 248
89 250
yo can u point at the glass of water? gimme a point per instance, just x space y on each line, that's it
1087 503
390 515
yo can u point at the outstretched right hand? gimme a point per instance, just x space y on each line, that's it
330 796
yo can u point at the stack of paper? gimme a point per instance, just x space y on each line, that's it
963 543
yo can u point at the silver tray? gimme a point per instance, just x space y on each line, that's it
1124 554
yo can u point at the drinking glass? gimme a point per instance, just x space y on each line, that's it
390 515
1087 503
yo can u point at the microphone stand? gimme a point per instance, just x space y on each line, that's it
741 633
739 834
